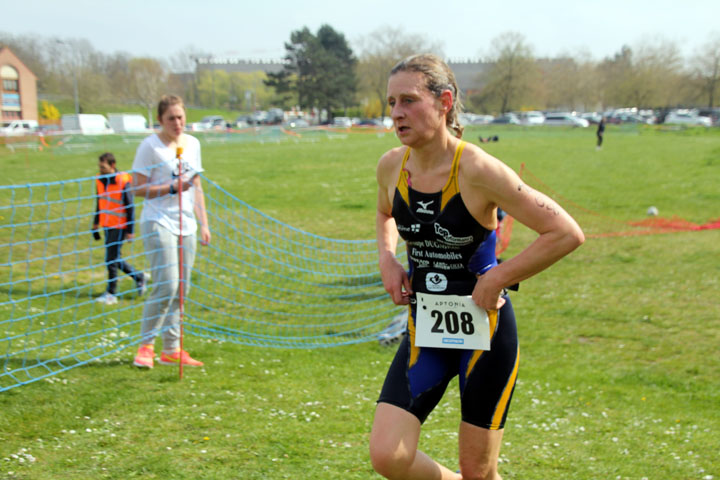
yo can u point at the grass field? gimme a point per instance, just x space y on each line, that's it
619 342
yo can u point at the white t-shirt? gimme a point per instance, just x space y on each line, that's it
159 163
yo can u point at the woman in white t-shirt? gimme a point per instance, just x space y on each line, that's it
157 169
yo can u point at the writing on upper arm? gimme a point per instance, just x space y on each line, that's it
541 200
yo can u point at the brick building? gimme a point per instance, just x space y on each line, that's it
18 88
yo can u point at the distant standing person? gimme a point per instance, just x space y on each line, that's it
600 133
114 213
157 170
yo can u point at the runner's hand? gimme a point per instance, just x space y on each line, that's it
395 280
487 296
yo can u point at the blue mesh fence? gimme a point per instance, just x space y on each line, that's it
260 282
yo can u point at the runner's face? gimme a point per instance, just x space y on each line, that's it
173 121
417 114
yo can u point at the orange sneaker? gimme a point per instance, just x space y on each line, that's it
144 357
174 359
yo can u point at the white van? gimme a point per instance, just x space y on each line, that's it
86 123
128 123
18 127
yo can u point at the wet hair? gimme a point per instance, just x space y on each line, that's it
166 102
108 158
438 78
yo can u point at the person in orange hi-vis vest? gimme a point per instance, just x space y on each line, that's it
114 213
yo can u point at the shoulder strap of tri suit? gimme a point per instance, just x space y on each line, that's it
452 187
404 178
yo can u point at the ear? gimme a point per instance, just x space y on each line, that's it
446 100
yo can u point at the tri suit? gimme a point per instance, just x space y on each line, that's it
447 248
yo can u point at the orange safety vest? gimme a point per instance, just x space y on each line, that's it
110 201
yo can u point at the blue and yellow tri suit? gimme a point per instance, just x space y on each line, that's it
446 249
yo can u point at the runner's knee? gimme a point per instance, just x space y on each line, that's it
390 464
390 461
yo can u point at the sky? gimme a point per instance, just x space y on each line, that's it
465 29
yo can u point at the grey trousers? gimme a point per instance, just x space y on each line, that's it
162 307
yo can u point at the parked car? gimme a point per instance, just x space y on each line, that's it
344 122
467 118
369 122
592 117
482 119
532 118
214 122
275 116
712 112
210 122
297 123
259 117
507 118
18 127
566 120
242 121
687 117
625 117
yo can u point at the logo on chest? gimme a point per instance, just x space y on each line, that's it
450 239
424 207
436 282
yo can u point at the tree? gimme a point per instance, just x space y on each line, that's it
514 75
570 82
218 88
645 76
616 73
657 64
283 83
48 111
147 82
706 69
324 68
381 50
116 68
